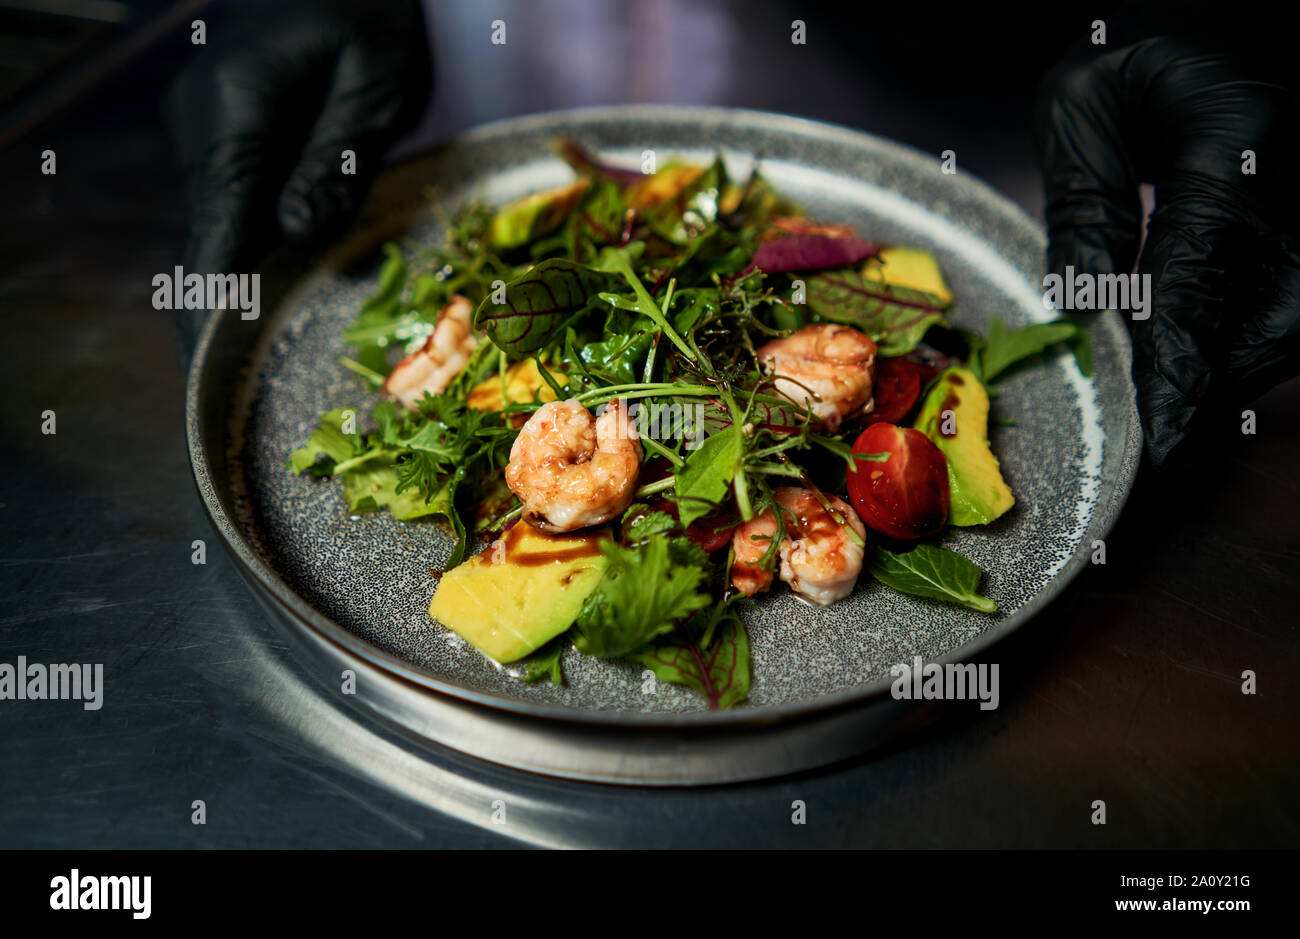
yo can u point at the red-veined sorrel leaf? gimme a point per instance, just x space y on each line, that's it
896 317
540 302
811 252
774 417
719 671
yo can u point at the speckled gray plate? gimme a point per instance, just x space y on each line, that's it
360 587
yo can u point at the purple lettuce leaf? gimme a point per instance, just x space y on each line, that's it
586 163
812 252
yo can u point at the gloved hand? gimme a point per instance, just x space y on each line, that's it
263 113
1174 98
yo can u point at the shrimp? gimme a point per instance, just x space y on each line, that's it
572 470
749 542
442 357
821 561
824 367
818 558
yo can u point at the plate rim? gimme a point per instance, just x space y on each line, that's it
1105 512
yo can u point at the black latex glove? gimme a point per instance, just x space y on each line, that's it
1174 98
264 111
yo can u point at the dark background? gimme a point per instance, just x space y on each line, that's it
1127 689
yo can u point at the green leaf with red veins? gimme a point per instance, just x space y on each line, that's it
895 317
719 671
540 302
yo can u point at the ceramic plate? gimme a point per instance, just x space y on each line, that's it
1068 451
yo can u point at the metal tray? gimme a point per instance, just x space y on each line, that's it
353 592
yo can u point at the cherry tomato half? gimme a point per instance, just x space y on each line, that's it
898 385
711 532
906 496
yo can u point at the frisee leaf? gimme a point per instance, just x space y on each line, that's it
645 592
895 317
930 571
640 523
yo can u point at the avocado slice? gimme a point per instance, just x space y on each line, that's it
521 593
902 266
977 492
523 381
523 220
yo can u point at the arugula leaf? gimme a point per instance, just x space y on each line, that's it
707 476
693 305
540 302
327 446
930 571
644 593
1002 348
716 252
720 670
896 317
619 261
380 315
617 357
